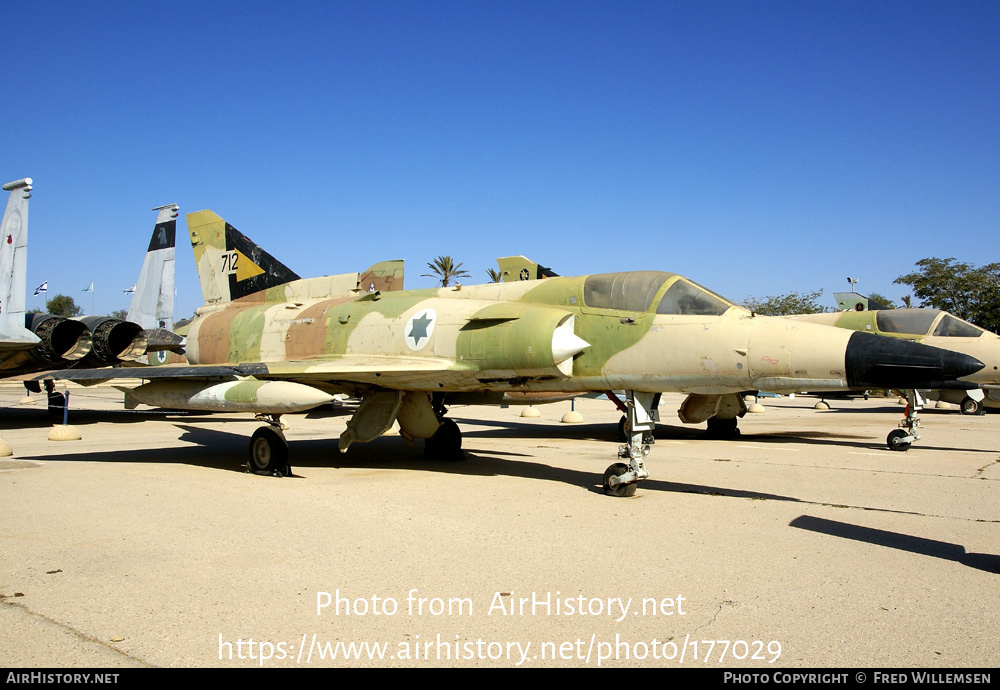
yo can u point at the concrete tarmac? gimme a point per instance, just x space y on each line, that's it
805 542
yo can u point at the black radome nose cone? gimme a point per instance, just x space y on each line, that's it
875 361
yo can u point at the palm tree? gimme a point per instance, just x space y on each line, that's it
445 269
495 275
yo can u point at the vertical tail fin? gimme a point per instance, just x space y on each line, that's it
385 276
14 266
514 268
152 303
230 266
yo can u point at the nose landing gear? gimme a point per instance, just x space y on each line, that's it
903 437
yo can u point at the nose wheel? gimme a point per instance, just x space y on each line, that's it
620 479
903 437
899 439
612 482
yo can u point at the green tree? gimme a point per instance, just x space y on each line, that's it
966 291
495 275
783 305
119 314
61 305
885 301
445 269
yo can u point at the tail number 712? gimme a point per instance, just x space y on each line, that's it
229 261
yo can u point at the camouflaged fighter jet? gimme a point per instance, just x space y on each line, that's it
930 327
269 342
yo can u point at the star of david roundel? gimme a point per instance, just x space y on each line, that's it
419 328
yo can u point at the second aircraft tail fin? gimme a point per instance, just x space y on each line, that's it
385 276
514 268
152 303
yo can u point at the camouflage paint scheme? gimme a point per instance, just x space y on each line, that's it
930 327
327 333
407 353
490 337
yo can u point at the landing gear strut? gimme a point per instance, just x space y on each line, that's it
268 449
620 479
56 401
622 436
903 437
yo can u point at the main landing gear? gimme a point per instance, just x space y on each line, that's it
972 403
970 406
724 429
903 437
620 478
419 416
446 443
268 449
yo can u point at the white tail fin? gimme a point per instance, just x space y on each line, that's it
13 266
152 303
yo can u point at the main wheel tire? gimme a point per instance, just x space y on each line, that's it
446 443
268 453
723 428
622 490
970 406
622 436
893 440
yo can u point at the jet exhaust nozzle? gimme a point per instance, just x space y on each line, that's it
62 340
881 362
159 339
115 340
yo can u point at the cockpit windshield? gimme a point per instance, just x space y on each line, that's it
953 327
687 298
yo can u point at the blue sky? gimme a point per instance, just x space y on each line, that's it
757 147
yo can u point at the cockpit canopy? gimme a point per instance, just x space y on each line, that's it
634 291
921 321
